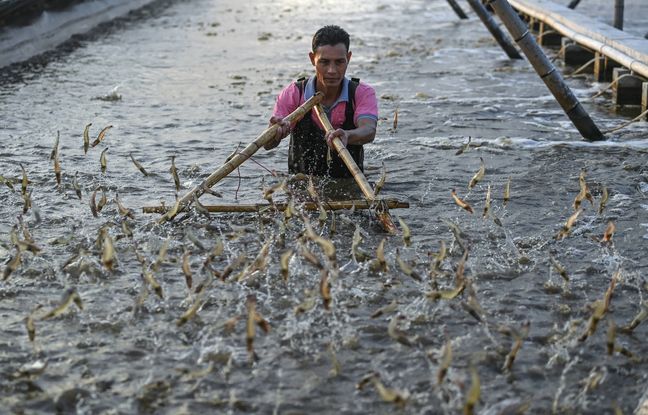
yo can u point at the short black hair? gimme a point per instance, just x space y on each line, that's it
330 35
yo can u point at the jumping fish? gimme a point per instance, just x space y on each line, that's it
200 208
519 339
57 170
479 175
86 138
396 333
325 288
457 233
103 160
12 265
126 230
75 185
191 312
446 294
394 396
54 152
462 204
357 254
438 259
464 147
381 182
93 204
101 136
507 191
312 192
603 201
406 268
380 263
25 180
388 309
488 202
123 210
102 200
559 268
609 232
472 397
446 360
29 324
70 296
250 327
568 225
395 123
611 337
138 165
186 269
108 253
149 278
407 234
161 256
27 201
174 173
284 261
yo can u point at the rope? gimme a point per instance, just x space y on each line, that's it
580 69
610 86
624 125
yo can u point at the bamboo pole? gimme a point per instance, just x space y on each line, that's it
457 9
381 210
494 29
259 207
546 70
573 4
239 158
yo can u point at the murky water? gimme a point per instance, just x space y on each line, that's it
196 78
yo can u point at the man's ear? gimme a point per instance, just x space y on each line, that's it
311 55
348 56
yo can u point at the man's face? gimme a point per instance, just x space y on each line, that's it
330 63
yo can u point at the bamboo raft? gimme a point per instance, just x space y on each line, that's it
261 207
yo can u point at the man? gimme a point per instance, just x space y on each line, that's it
350 105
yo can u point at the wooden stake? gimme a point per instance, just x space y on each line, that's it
239 158
494 29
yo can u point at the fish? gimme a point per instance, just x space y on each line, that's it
205 189
446 360
446 294
284 262
337 367
102 201
174 174
103 160
27 201
517 344
186 269
609 232
395 123
54 152
29 324
457 233
438 258
307 305
75 185
126 230
290 211
611 337
12 265
559 268
108 253
381 182
396 333
357 254
464 147
380 263
149 278
394 396
86 138
603 201
101 136
472 397
325 288
191 312
123 210
566 229
323 216
194 239
406 268
161 256
57 170
25 180
584 189
250 327
93 204
488 202
138 165
7 181
70 296
407 234
478 176
507 191
388 309
200 208
312 192
638 319
462 204
598 313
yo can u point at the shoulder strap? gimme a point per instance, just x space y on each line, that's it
301 85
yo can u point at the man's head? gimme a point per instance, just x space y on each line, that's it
330 55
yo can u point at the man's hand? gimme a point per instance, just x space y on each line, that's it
341 134
282 131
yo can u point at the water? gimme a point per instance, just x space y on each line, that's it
196 78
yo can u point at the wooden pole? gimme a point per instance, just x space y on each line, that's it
457 9
381 210
239 158
618 14
258 207
494 29
573 4
547 71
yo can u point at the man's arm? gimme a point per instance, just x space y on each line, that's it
363 134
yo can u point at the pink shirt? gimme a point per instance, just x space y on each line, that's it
366 105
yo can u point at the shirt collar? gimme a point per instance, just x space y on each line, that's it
309 90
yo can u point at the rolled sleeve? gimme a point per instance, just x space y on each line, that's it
366 104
